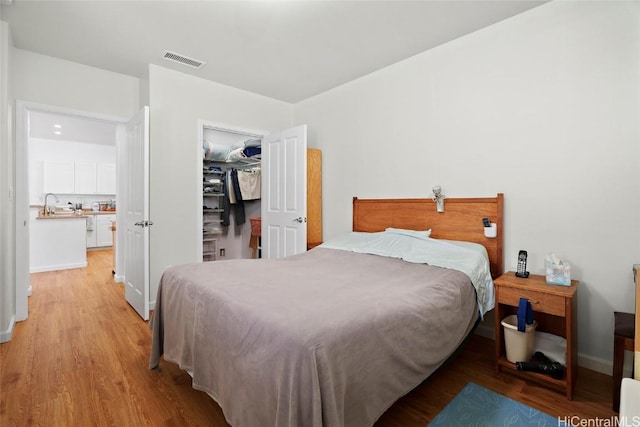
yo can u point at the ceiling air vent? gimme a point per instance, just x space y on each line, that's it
181 59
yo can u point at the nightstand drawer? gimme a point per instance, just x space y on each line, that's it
544 303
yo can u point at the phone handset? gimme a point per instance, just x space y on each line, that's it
522 265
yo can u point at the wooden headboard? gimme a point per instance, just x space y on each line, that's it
461 220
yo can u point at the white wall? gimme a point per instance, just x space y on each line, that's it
543 107
52 81
7 186
177 102
60 150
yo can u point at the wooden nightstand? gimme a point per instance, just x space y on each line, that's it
555 310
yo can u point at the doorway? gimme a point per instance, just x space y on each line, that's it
35 128
233 240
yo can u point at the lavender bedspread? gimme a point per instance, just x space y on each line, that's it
324 338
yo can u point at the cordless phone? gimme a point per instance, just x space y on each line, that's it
522 265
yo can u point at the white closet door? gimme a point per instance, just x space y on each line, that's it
284 193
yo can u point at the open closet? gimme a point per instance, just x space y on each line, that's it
226 156
249 205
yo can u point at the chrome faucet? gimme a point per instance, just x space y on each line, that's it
44 209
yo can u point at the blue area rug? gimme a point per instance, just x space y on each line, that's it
477 406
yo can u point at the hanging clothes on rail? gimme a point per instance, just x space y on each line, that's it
250 183
225 204
229 188
238 207
232 200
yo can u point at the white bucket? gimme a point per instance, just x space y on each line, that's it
519 345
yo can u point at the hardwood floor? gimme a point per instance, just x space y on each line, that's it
81 360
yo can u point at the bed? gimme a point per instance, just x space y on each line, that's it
334 336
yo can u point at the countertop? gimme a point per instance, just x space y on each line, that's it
68 215
98 212
84 214
61 216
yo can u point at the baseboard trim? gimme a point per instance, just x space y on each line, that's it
604 366
152 305
7 334
58 267
595 364
98 248
585 361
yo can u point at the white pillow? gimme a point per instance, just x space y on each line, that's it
213 151
236 155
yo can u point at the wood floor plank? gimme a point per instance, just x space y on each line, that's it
81 360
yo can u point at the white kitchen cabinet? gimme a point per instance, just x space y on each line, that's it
57 243
62 177
58 177
92 239
106 178
103 230
85 178
92 236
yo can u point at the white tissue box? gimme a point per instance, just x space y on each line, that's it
558 273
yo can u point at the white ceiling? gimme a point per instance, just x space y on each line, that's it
76 129
287 50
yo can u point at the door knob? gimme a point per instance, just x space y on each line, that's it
299 219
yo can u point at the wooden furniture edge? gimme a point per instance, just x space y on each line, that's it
461 221
314 197
636 356
530 285
539 285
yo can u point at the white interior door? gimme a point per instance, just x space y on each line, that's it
136 245
284 193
